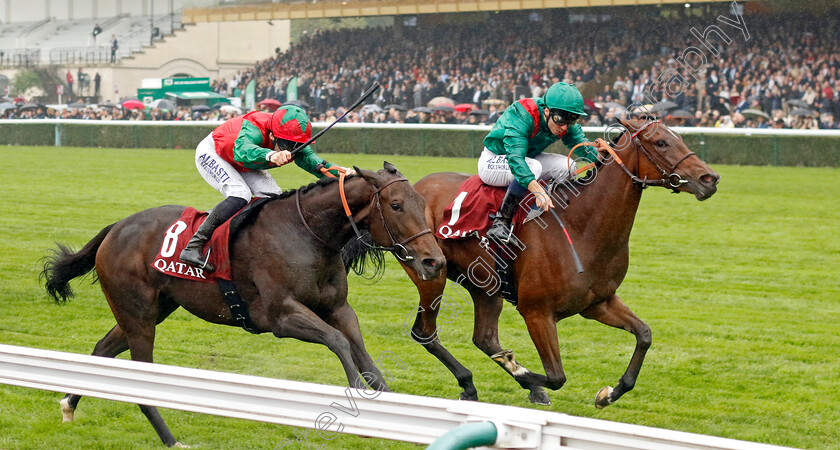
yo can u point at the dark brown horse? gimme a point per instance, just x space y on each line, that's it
286 263
599 216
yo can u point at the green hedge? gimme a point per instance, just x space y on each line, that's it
716 149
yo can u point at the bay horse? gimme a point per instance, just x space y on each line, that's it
598 212
285 260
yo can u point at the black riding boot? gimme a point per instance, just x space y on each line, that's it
193 253
500 230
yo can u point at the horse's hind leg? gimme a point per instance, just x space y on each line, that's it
138 308
486 338
344 320
615 313
109 346
113 344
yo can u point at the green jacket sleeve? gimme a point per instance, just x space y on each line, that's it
515 140
307 160
248 149
574 137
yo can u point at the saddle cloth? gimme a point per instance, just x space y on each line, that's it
471 209
176 238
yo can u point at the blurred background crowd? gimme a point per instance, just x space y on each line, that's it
779 72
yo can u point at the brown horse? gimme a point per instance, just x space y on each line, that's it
285 261
599 215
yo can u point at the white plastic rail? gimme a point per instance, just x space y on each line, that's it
330 410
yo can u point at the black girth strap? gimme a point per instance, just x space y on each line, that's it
238 307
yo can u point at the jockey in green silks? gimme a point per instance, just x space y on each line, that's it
233 160
513 150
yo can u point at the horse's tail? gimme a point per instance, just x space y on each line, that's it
65 265
359 252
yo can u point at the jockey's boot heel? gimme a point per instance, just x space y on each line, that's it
501 229
193 253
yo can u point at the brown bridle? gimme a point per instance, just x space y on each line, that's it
670 178
397 248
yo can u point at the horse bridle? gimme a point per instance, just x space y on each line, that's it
670 178
397 248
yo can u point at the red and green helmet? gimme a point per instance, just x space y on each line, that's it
291 123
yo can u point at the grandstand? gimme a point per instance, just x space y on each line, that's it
617 55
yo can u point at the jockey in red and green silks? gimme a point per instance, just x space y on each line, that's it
234 159
514 150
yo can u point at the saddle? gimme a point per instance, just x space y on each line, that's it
469 214
176 238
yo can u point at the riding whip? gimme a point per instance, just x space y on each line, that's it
358 102
578 265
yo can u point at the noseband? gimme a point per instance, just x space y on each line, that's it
397 248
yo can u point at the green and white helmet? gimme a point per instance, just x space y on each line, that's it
564 97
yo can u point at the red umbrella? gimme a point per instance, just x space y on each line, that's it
133 104
270 104
464 107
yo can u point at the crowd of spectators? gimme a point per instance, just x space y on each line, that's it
786 74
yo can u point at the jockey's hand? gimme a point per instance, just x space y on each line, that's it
541 197
349 171
281 157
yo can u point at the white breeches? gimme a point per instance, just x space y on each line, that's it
226 179
494 170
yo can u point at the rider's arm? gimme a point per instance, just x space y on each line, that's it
574 137
248 149
307 160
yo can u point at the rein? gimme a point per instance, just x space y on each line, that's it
669 178
397 248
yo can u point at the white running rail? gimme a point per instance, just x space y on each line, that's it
330 410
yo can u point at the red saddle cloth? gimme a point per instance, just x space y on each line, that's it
176 238
471 209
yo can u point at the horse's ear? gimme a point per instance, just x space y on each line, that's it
625 122
390 167
369 175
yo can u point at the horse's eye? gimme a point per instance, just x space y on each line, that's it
396 207
660 143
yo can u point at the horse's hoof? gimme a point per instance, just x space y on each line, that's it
469 397
180 445
67 411
538 396
602 399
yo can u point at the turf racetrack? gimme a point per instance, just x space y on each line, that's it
741 291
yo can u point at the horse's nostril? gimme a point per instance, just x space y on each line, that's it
430 263
710 178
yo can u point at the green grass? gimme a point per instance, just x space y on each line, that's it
741 292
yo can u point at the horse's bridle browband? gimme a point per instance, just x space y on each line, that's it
397 248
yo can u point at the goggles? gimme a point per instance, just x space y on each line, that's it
561 117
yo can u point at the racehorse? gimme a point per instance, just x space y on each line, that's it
285 260
599 213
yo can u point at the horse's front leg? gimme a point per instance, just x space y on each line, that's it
486 338
344 320
425 329
543 331
294 320
615 313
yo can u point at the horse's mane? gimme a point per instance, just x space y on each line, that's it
572 186
355 253
247 217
